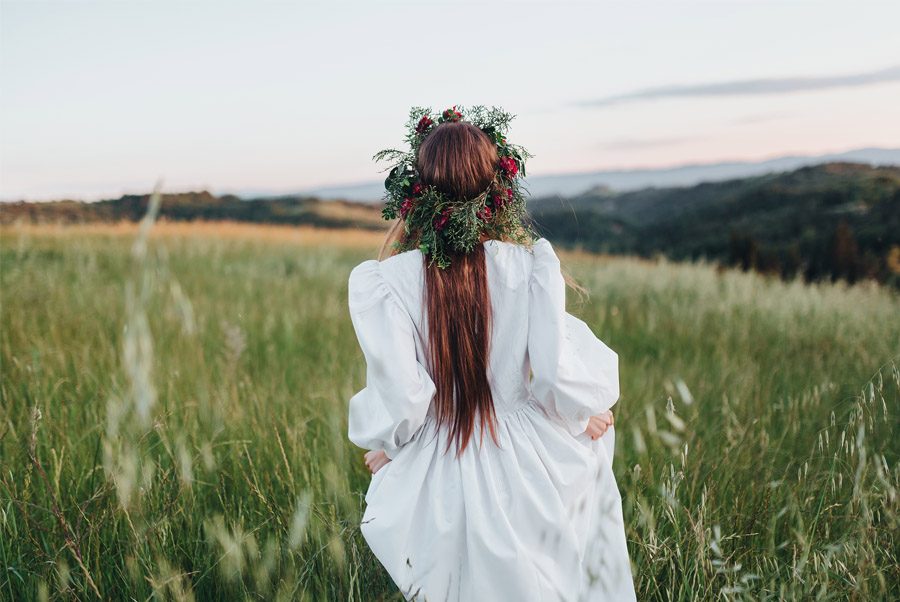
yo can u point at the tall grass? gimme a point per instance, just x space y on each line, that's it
174 421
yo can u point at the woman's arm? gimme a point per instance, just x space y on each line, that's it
572 378
393 405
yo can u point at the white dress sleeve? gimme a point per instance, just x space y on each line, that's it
575 374
392 407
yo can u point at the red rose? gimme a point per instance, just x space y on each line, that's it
509 166
484 214
509 193
406 206
440 222
424 124
452 114
417 188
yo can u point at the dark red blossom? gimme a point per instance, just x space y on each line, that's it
452 114
417 188
502 199
406 206
484 214
440 221
424 124
509 167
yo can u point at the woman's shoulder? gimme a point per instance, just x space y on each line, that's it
538 247
364 284
545 266
513 263
544 254
372 269
538 255
542 246
372 279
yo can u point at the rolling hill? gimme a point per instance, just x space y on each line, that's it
840 220
190 206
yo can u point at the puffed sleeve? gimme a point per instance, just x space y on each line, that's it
575 374
393 405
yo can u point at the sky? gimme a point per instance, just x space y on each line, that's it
98 99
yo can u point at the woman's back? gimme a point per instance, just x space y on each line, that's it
509 268
498 522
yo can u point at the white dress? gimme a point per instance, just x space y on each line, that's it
540 517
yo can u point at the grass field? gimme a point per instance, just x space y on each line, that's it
173 421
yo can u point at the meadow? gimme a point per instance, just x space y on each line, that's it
173 420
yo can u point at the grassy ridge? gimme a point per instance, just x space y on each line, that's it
830 221
174 421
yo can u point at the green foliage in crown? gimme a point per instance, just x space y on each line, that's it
437 224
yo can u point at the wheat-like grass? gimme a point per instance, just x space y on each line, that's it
173 420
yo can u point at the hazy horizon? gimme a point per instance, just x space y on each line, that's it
104 98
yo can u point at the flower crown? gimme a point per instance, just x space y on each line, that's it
434 222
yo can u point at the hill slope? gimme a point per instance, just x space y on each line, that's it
838 219
187 206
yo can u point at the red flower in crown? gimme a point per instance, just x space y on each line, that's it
417 188
452 114
502 200
509 167
406 206
424 124
484 214
440 221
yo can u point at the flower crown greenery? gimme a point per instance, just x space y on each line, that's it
438 224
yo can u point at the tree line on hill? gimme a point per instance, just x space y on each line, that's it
190 206
832 221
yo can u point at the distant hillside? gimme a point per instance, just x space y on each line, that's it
838 220
294 210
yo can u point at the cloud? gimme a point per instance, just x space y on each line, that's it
751 87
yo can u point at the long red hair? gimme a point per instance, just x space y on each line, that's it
459 160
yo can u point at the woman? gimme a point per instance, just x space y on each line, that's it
487 484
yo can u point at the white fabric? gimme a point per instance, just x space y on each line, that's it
540 517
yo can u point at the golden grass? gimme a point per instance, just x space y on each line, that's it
227 230
355 212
